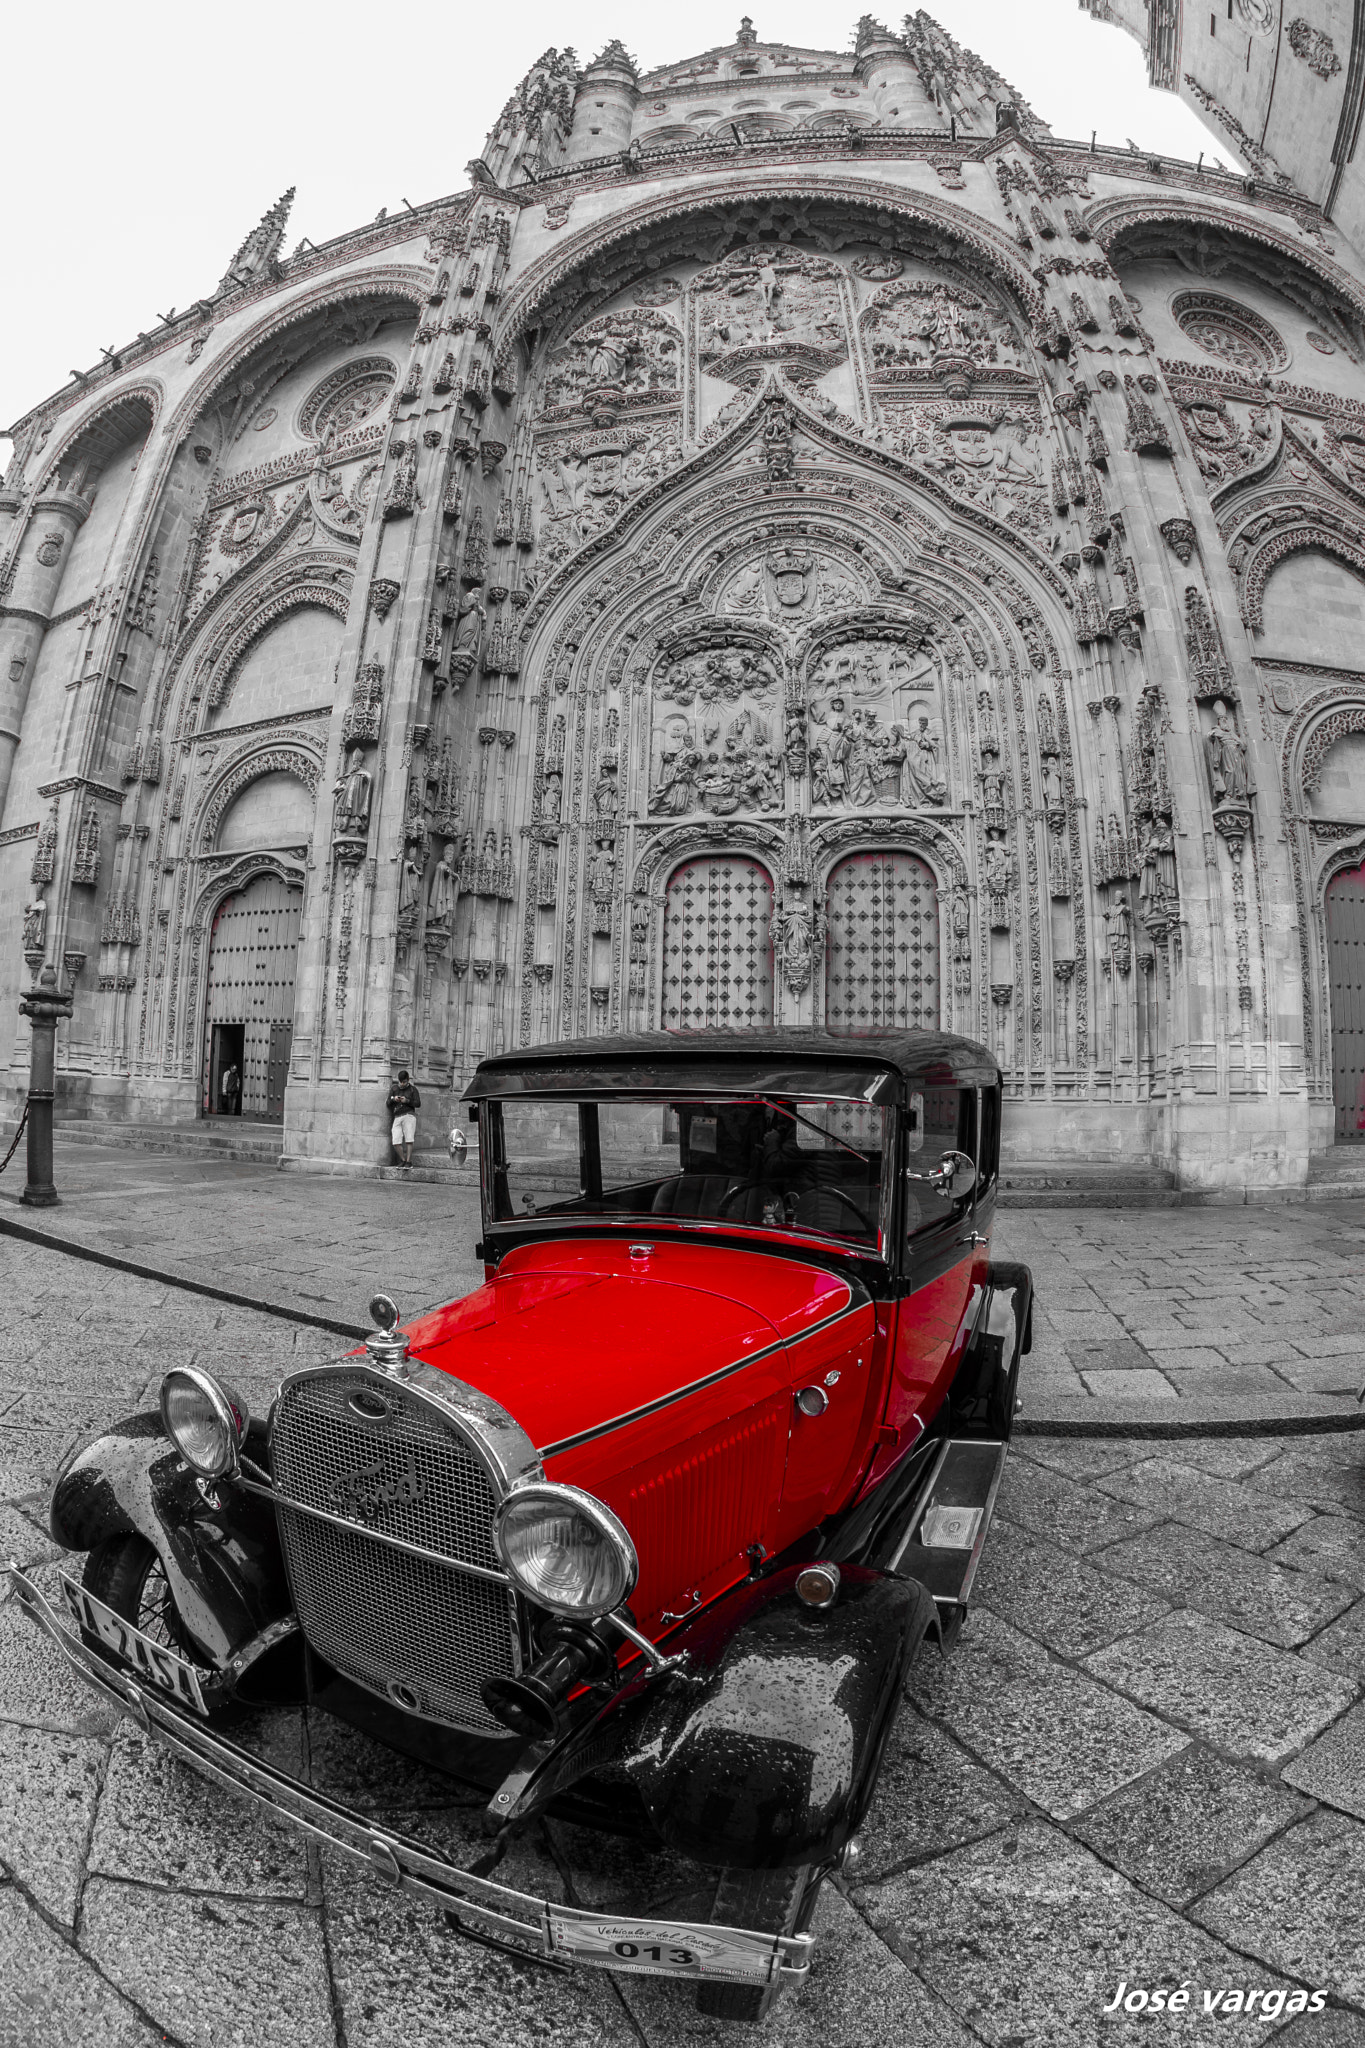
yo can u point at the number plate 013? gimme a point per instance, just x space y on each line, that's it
664 1948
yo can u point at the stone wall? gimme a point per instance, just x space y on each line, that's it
845 569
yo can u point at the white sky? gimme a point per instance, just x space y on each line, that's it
171 128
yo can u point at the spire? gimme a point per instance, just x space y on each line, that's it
870 31
615 57
746 35
972 91
261 248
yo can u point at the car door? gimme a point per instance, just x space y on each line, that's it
941 1265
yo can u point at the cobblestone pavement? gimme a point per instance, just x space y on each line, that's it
1143 1763
1251 1312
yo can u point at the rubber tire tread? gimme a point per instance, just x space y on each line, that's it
770 1900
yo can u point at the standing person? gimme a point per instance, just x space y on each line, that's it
403 1105
230 1091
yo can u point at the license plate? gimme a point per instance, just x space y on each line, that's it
664 1948
153 1660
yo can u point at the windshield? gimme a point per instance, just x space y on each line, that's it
804 1164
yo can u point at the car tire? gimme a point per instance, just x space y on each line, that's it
126 1573
774 1902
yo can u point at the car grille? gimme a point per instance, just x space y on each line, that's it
405 1627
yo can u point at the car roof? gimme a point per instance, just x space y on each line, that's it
880 1066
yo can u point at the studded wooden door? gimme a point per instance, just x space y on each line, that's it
882 961
1346 977
252 954
718 961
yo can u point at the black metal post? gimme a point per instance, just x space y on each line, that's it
43 1005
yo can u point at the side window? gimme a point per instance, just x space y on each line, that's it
939 1120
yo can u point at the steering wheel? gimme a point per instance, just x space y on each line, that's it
742 1187
827 1188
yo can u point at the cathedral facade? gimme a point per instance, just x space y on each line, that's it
791 542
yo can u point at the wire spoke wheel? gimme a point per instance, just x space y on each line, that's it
126 1573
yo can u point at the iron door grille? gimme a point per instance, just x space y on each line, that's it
403 1626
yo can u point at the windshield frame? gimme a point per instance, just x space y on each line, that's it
492 1159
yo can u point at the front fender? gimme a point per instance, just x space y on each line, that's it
769 1754
223 1564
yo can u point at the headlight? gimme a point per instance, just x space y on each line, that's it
204 1422
565 1550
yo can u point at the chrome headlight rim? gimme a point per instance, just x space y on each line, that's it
229 1412
553 1495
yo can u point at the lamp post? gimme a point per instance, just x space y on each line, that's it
43 1005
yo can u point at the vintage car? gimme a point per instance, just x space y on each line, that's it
646 1530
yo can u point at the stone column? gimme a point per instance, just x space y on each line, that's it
43 555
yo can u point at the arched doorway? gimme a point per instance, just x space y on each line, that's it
249 1014
1346 980
882 963
718 959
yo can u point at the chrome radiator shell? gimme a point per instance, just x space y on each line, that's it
385 1488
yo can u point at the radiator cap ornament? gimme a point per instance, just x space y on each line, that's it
386 1346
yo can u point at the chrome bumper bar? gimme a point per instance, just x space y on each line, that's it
559 1935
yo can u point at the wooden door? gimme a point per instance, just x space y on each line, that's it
718 958
882 968
1346 977
253 952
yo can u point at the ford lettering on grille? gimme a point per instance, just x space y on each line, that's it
368 1493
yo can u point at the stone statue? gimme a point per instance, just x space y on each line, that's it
793 935
35 925
441 901
927 768
353 796
551 796
1052 783
1229 772
409 885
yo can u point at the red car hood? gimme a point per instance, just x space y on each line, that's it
568 1337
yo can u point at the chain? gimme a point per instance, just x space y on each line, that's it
17 1136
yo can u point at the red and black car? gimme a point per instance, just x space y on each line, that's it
645 1531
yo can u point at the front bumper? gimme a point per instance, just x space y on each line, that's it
539 1928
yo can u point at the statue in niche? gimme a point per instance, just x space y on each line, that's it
927 771
1158 888
675 790
464 646
1053 799
794 931
605 796
353 796
1229 772
35 925
551 796
441 901
829 755
409 884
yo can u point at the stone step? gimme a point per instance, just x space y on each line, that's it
260 1143
1041 1184
1337 1174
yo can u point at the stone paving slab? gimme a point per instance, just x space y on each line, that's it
1113 1777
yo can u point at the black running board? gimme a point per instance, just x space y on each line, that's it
943 1544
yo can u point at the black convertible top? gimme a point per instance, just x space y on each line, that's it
874 1066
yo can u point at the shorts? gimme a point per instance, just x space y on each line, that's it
404 1129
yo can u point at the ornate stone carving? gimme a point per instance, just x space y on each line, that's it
1180 537
1210 670
86 866
45 852
1314 47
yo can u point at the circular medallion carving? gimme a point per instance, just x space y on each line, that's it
265 419
347 397
1259 17
1222 327
1320 342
